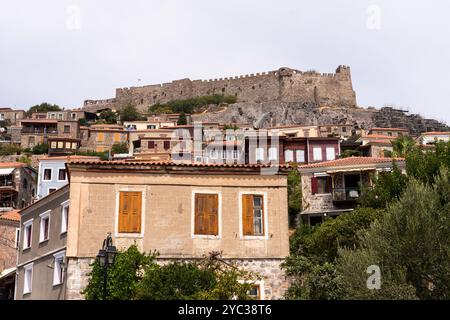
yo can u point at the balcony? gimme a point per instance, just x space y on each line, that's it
346 195
6 183
39 131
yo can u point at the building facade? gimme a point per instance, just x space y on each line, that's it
17 185
232 209
41 263
333 187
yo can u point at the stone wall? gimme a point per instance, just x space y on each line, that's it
14 157
274 279
8 254
283 85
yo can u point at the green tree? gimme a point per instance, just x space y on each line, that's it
350 153
123 277
40 148
9 149
294 194
121 147
108 117
402 146
410 244
386 187
25 158
43 107
182 120
130 113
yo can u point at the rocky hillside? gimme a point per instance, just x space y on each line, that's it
263 115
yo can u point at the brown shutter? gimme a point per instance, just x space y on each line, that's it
329 185
314 187
206 220
247 214
130 212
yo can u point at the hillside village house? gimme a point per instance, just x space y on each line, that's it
37 131
10 115
184 211
343 131
331 188
41 263
17 185
430 138
295 131
147 125
101 137
390 132
52 173
9 244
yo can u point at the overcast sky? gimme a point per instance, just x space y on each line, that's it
64 52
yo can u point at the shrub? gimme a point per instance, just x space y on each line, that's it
121 147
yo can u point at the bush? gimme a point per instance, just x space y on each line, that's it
123 277
9 149
107 117
119 148
43 107
130 113
102 155
294 195
191 105
41 148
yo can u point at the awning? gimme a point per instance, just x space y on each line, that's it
6 171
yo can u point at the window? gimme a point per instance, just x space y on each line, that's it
331 153
62 175
130 211
44 226
151 126
224 154
60 117
60 144
74 145
28 278
28 232
300 155
47 174
100 137
206 214
288 156
58 271
64 217
100 149
273 154
53 145
17 240
344 129
390 134
255 292
116 137
73 116
66 129
235 154
321 185
166 145
252 215
151 144
50 190
25 184
259 154
213 154
317 153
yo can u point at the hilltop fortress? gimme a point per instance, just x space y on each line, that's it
282 97
283 85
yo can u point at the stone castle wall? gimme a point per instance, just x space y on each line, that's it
283 85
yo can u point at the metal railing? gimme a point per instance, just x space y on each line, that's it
346 194
39 131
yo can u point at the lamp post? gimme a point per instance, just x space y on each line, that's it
106 257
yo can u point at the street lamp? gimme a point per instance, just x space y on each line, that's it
106 257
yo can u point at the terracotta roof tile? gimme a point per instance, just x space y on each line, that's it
10 215
350 161
171 163
432 133
388 129
69 158
12 164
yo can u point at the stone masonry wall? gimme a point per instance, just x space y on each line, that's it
283 85
274 279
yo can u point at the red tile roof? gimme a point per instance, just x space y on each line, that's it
171 163
10 215
350 161
12 164
69 158
388 129
377 136
432 133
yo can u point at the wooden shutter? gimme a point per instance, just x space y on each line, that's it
314 186
151 144
247 214
130 212
166 145
206 220
329 185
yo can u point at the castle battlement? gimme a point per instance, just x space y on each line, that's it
283 85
